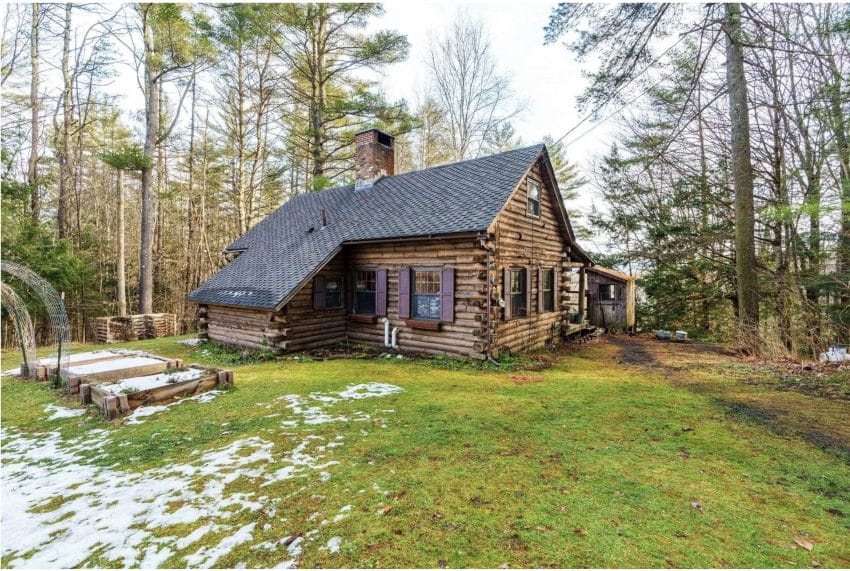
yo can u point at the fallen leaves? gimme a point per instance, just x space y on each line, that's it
804 543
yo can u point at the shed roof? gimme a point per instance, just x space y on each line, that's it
280 253
611 273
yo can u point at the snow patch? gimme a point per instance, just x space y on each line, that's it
111 365
143 411
63 412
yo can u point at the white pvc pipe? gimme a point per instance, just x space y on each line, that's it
395 338
386 332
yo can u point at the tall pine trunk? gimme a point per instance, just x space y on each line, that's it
152 118
65 164
120 270
32 170
742 176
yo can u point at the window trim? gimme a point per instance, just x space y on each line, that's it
439 294
551 290
523 271
612 299
341 303
529 201
354 290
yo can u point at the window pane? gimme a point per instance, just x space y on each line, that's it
364 292
517 295
426 281
426 294
332 294
606 292
533 198
426 306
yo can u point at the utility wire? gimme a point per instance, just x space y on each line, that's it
610 98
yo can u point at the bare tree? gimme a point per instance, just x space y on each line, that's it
475 98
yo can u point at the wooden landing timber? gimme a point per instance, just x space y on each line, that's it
109 370
113 400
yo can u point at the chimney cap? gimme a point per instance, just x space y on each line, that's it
382 137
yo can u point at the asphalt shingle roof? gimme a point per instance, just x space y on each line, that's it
280 252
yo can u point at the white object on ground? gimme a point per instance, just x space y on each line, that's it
835 355
191 342
63 412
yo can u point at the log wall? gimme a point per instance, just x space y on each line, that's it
308 328
523 241
467 334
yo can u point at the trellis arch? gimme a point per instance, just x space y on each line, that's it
59 328
23 327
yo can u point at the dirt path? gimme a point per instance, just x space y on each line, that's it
744 390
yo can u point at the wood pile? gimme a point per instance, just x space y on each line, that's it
114 329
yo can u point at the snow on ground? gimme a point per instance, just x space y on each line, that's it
62 412
143 411
134 384
111 365
59 509
77 357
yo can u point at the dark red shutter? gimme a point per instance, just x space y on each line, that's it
404 293
381 291
527 291
319 288
506 292
349 292
447 295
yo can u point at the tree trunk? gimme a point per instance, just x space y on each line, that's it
317 104
151 135
65 164
32 171
120 271
742 174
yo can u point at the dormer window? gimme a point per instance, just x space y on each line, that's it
533 208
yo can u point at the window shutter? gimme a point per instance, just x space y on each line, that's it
540 301
556 298
349 292
404 293
447 295
506 292
319 288
527 292
381 291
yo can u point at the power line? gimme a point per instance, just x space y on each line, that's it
616 93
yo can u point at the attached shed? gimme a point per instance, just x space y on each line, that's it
610 299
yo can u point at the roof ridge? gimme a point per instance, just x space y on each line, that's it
444 165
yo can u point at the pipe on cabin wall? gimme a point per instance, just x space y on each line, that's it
386 332
394 343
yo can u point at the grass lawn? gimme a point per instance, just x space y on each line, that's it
625 453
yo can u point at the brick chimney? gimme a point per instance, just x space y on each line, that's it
374 157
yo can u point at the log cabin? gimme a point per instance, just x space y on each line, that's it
472 259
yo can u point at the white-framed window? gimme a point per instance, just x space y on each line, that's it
426 294
533 206
547 289
518 293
